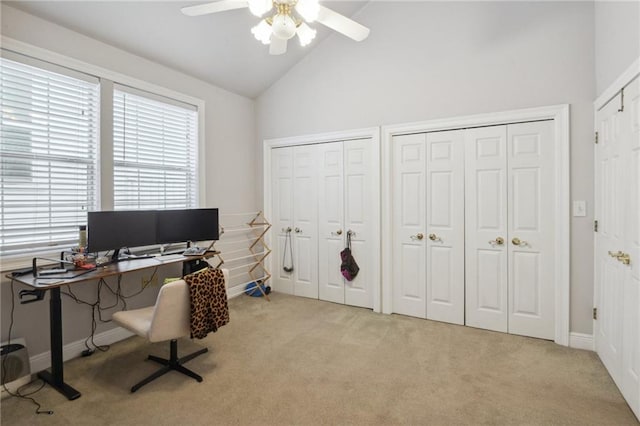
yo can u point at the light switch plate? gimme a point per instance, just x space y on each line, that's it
579 208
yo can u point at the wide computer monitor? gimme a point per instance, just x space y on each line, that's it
175 226
113 230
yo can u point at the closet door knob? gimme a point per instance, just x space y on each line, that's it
625 258
434 237
298 231
339 232
518 242
498 241
418 236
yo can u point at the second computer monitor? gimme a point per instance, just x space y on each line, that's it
175 226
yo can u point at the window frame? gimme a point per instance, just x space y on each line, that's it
107 78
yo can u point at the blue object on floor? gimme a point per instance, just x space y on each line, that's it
252 289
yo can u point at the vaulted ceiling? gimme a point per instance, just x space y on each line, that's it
217 48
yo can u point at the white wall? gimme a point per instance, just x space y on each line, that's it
617 40
229 161
426 60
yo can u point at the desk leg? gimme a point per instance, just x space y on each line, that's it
56 377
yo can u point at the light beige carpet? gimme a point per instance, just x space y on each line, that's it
305 362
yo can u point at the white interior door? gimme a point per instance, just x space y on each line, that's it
330 221
486 228
531 206
305 221
282 211
610 214
408 201
359 206
445 226
630 132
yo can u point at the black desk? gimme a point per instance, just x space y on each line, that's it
56 376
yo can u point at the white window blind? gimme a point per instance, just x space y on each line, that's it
48 156
154 152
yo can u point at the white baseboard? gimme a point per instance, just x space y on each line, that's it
72 350
581 341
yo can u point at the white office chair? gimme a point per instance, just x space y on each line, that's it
169 319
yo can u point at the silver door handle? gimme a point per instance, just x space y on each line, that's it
298 231
418 236
338 232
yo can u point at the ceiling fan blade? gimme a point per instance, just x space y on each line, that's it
342 24
218 6
277 46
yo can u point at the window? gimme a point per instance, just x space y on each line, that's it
48 154
51 154
154 152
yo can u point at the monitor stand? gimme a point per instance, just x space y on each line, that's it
115 258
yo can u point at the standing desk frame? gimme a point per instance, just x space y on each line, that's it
55 377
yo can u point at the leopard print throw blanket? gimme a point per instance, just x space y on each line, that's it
209 308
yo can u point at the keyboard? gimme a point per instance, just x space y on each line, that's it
169 257
194 251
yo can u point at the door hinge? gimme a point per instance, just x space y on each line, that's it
595 313
621 109
596 138
595 226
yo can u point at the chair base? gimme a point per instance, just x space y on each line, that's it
173 363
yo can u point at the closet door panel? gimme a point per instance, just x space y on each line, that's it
630 129
531 229
305 223
445 226
282 190
359 207
486 228
609 271
409 216
330 221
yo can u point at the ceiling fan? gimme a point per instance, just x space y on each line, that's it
285 19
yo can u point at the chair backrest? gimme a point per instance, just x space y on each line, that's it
172 313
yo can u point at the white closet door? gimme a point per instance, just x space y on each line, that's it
609 239
445 226
408 200
330 221
282 210
358 186
531 207
305 221
630 139
486 228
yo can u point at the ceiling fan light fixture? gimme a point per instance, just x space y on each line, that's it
306 34
283 26
262 32
308 9
260 7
